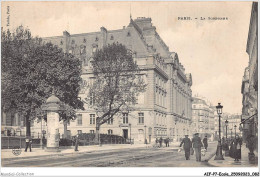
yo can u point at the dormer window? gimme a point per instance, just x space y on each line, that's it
84 40
128 34
112 37
73 41
96 38
61 42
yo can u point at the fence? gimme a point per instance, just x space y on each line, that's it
10 142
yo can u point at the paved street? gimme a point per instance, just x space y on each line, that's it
134 157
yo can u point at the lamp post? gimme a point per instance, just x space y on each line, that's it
219 155
145 141
231 132
130 134
235 130
226 143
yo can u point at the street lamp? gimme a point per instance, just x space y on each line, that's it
226 143
226 123
145 141
235 130
219 155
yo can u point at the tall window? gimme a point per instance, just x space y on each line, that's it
92 118
92 100
110 132
92 131
79 119
141 118
110 121
125 118
79 132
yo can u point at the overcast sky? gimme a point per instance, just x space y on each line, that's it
213 51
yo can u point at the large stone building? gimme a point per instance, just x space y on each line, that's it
164 110
250 79
203 117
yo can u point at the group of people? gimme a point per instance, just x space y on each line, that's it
160 141
233 146
194 145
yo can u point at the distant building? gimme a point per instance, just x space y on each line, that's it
249 87
164 110
202 117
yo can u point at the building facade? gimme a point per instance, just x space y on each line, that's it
203 117
163 110
249 87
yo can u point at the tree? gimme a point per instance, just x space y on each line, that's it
117 83
31 70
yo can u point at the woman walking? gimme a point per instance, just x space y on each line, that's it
237 142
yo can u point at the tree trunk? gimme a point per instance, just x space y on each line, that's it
65 128
28 126
97 133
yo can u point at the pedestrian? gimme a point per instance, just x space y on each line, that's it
27 141
168 142
186 146
237 148
232 148
30 144
160 141
205 142
76 142
197 144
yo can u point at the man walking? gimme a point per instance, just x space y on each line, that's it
76 142
205 142
197 144
160 141
28 143
187 145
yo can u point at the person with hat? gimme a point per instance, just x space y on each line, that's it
205 142
197 144
187 145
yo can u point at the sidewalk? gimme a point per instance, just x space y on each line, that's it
38 152
229 162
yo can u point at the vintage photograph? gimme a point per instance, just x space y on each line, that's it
129 84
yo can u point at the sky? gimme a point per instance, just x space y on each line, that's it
214 52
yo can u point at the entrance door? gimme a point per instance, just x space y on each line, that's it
125 133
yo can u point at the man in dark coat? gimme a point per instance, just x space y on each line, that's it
160 141
197 144
187 145
205 142
237 148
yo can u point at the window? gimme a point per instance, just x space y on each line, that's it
92 118
110 132
141 118
79 132
79 119
125 118
112 37
92 99
110 121
92 131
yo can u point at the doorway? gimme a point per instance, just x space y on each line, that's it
125 133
